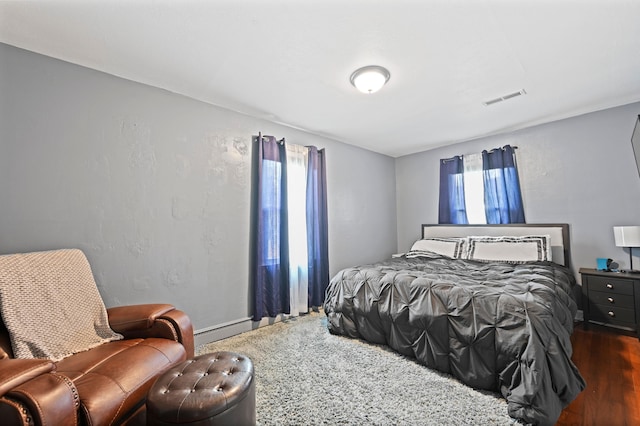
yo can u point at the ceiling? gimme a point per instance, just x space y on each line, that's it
289 61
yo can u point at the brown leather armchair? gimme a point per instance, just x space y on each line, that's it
105 385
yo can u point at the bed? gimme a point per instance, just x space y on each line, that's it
491 305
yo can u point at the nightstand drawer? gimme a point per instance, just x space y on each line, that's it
611 299
610 285
612 314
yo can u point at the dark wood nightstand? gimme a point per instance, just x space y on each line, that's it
611 299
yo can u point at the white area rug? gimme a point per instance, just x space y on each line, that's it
306 376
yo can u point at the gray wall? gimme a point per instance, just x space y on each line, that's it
579 171
155 187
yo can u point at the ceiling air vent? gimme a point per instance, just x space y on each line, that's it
504 97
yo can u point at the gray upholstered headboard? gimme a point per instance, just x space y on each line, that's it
559 232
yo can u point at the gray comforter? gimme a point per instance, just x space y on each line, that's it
493 326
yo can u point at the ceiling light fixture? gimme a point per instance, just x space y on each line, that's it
370 79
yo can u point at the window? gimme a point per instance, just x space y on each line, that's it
289 267
480 188
271 210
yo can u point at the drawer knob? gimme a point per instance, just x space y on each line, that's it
610 299
611 314
609 285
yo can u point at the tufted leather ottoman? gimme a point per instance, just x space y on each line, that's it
211 389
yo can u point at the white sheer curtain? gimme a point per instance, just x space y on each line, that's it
474 188
296 200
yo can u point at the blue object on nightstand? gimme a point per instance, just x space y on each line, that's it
602 263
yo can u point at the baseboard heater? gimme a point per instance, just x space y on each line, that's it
230 328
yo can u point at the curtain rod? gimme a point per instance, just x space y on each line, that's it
281 141
444 160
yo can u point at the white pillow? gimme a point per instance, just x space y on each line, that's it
530 248
451 247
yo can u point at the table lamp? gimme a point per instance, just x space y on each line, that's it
628 236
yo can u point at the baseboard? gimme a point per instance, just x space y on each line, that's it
231 328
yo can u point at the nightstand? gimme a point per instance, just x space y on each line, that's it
611 299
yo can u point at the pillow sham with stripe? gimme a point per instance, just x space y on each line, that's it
529 248
451 247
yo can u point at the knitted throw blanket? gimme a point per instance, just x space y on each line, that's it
50 304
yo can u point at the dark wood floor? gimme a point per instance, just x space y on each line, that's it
610 364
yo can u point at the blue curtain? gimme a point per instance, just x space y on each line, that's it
269 245
502 198
452 206
317 227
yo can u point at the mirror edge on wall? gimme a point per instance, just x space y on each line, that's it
635 143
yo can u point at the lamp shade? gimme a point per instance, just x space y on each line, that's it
627 236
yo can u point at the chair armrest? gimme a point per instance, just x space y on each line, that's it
135 317
153 320
14 372
32 393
